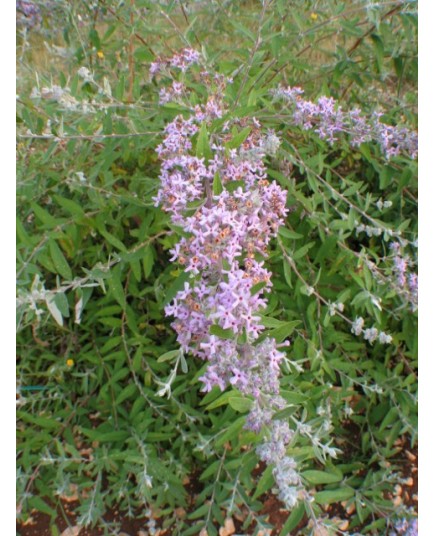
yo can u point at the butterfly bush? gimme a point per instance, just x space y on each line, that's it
214 186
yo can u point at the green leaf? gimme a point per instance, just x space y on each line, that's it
71 206
200 512
105 437
270 322
169 356
44 216
287 272
283 332
232 432
265 482
220 401
240 404
203 149
379 50
302 251
285 413
148 260
257 288
332 496
210 470
322 477
136 269
94 38
184 364
248 33
143 54
238 138
22 234
126 393
293 520
40 505
62 304
218 331
176 286
59 261
111 239
117 289
217 187
287 233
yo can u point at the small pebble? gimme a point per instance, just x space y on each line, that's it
344 525
228 529
351 509
397 500
410 456
71 531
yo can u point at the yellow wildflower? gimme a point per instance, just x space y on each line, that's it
100 54
314 16
69 362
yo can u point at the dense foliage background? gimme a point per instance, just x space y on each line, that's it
94 345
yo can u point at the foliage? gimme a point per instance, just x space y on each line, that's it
108 407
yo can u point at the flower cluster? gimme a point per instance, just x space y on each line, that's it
228 211
404 278
328 119
62 96
28 13
405 528
182 61
370 334
273 451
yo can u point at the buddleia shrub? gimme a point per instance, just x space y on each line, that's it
217 267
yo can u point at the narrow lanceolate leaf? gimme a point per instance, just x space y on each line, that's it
222 333
293 520
322 477
217 187
184 364
111 239
257 288
238 138
61 301
169 356
265 482
39 504
45 217
221 400
203 149
60 263
117 290
71 206
287 233
176 286
283 332
148 260
332 496
240 404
